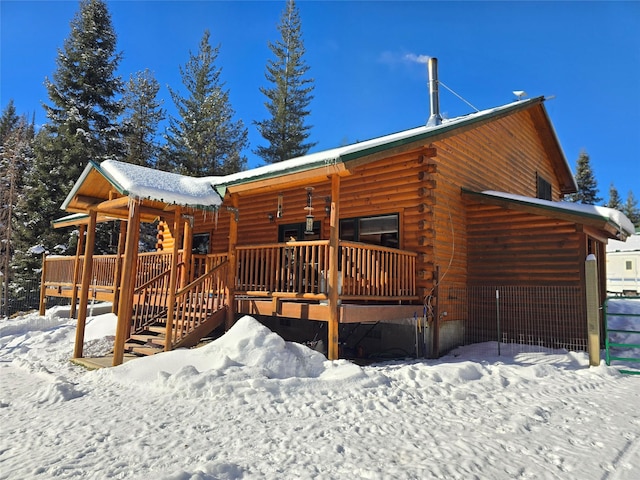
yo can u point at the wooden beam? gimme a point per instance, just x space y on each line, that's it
114 204
128 282
276 184
84 288
334 239
86 202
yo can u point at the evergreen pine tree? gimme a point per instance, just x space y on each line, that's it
82 125
16 154
289 98
8 121
630 209
587 185
204 140
142 116
614 198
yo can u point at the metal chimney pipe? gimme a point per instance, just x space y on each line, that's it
434 97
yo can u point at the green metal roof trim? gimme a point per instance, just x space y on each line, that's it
611 216
92 165
69 218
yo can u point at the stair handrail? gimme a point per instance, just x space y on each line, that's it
189 316
151 305
201 278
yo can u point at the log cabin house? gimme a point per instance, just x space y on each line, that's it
401 229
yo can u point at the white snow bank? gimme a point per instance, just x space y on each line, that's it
171 188
247 345
269 409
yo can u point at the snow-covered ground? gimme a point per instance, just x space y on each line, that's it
253 406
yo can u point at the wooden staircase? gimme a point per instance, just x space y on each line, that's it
152 339
196 310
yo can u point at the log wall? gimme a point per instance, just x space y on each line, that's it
508 247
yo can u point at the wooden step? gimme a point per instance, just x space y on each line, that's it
159 329
146 350
148 338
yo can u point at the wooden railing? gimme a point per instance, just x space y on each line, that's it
59 276
197 302
301 269
152 264
297 268
376 272
201 264
150 302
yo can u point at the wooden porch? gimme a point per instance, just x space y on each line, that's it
175 304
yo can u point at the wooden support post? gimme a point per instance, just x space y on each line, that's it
43 279
117 277
593 309
231 257
173 280
76 270
334 239
128 282
87 271
187 246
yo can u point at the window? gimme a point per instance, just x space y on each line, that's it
628 265
200 245
296 231
382 230
543 188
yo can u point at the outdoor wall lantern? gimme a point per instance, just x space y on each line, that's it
309 208
270 217
327 206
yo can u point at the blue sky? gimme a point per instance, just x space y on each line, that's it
584 54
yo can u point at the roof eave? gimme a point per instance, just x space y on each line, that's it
612 229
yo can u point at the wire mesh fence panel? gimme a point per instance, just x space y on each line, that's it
21 298
520 318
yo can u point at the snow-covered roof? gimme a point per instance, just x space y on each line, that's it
631 245
360 149
146 183
172 188
207 192
610 215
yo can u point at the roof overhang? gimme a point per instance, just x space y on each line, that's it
111 187
611 222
